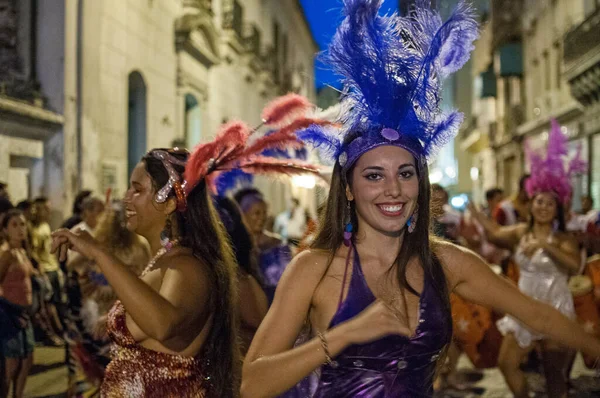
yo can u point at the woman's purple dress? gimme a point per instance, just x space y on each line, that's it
395 366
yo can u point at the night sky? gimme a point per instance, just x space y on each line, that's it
323 17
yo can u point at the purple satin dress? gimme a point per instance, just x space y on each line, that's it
272 263
395 366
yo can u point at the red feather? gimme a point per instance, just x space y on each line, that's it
283 109
230 150
303 123
229 143
283 138
280 140
267 165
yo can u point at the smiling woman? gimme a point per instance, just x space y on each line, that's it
375 286
179 316
386 188
176 326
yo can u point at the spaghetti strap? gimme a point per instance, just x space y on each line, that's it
348 257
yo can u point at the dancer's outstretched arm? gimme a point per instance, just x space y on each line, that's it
471 278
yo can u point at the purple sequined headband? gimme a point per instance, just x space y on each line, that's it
364 143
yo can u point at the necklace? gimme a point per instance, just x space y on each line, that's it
161 252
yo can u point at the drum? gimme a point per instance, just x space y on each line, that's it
582 289
512 271
593 272
475 332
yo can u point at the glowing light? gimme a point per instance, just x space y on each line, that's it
450 172
306 181
458 201
474 173
436 176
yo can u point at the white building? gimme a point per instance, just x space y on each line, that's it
124 76
545 26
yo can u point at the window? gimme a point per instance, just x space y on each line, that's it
193 121
547 71
136 121
580 182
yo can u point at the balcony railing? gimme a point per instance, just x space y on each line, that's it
583 38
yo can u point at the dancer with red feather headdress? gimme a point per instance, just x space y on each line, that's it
175 327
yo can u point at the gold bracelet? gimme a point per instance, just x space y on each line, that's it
328 360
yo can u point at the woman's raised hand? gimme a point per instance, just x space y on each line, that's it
79 241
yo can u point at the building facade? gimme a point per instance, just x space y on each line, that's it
545 26
581 71
524 72
118 77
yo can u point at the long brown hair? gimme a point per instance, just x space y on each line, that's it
200 230
418 243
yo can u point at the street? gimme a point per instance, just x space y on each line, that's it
49 379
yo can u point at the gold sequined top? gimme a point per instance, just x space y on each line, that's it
136 371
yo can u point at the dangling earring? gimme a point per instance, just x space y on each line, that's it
412 221
165 234
348 226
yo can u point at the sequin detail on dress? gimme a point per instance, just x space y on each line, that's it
138 372
392 367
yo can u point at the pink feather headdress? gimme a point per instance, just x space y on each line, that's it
231 148
552 173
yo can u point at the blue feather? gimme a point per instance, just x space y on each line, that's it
326 140
231 180
394 66
445 130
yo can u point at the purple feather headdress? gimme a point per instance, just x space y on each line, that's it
552 174
393 68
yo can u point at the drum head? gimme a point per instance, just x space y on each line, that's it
580 285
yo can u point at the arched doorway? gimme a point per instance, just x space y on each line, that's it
193 121
136 121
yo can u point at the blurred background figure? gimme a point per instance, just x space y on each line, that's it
253 302
445 220
516 209
77 209
493 198
91 210
272 253
4 191
26 206
17 340
291 223
587 205
48 265
89 344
